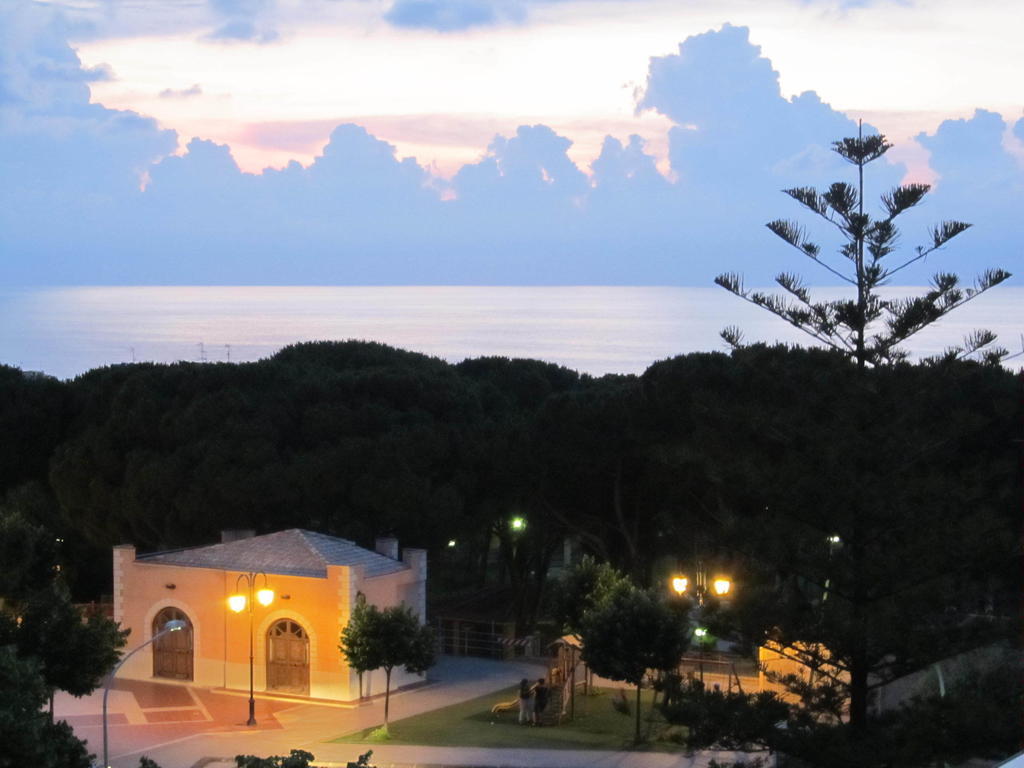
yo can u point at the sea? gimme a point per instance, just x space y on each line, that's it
65 331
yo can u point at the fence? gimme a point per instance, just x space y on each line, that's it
478 639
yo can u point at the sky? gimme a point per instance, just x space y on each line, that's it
637 142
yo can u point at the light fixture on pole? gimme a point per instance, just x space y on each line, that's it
701 634
238 603
720 585
680 584
175 625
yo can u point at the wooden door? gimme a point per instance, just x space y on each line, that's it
287 658
172 653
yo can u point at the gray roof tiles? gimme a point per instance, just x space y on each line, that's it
294 552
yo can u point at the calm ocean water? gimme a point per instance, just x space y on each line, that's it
597 330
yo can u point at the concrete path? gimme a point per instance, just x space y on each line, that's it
182 726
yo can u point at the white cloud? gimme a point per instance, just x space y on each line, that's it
72 210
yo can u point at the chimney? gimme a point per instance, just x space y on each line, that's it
387 546
236 534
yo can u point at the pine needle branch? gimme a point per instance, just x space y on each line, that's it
793 234
911 316
940 235
796 317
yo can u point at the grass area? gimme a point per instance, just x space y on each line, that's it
597 725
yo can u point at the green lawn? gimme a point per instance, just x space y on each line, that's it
597 725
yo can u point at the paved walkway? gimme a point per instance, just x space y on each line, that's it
182 726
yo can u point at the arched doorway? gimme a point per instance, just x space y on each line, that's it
172 653
287 658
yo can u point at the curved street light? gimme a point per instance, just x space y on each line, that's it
174 625
238 603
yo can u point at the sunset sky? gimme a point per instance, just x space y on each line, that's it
271 79
473 103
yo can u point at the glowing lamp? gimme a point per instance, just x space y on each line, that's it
721 586
518 523
834 539
680 584
700 632
451 543
237 603
265 596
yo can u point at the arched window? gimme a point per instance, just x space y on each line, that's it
287 657
172 653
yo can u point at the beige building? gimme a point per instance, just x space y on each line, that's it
315 579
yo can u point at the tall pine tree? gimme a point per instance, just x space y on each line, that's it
849 566
867 327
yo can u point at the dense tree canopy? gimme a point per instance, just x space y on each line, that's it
358 440
881 497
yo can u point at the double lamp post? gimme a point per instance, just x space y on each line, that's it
238 602
720 586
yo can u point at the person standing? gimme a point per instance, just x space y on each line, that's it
525 692
540 700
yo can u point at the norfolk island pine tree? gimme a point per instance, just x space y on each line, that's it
867 329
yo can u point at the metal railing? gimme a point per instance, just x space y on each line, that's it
459 640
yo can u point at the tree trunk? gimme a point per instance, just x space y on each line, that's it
626 531
858 695
387 694
859 647
861 330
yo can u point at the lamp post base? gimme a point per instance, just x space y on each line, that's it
252 713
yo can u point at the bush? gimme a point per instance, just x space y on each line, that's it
298 758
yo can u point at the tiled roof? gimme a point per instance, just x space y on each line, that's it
294 552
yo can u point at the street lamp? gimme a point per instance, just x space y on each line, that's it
174 625
517 523
720 585
680 584
701 633
834 542
237 603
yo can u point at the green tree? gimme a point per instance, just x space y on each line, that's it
924 508
26 734
394 637
581 589
76 651
298 758
501 476
29 557
33 419
868 328
629 632
723 719
979 716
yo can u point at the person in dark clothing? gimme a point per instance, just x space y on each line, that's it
540 700
525 692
